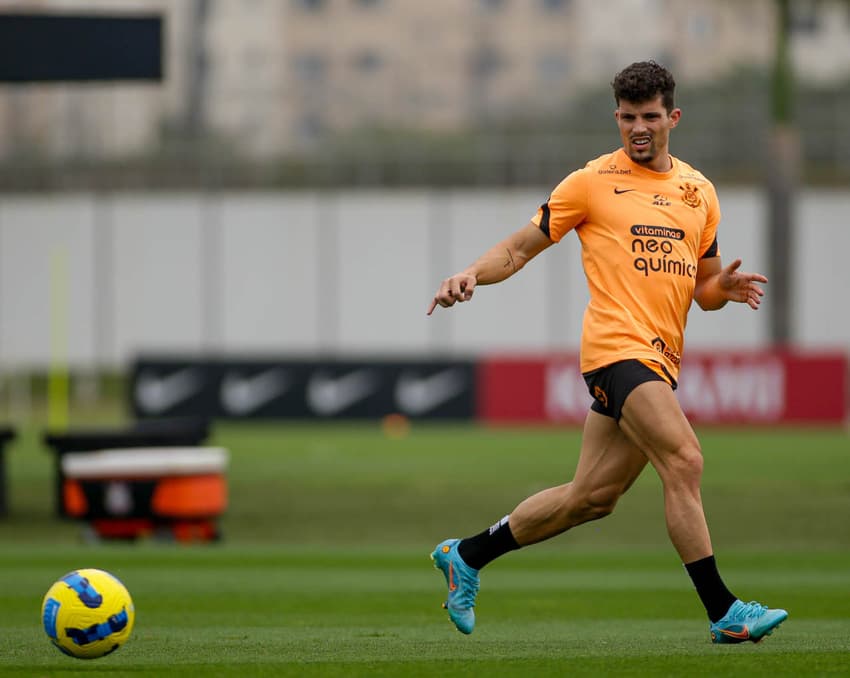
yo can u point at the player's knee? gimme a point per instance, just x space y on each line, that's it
687 463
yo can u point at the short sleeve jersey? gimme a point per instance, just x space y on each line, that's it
642 235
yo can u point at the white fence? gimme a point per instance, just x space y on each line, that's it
95 279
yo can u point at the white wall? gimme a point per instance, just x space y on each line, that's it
348 273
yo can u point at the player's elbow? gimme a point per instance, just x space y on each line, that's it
520 260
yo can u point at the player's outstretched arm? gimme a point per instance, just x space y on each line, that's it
716 285
498 263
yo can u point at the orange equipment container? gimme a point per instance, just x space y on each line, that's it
176 493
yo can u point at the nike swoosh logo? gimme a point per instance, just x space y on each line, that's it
740 635
156 394
418 395
618 191
452 585
244 395
328 395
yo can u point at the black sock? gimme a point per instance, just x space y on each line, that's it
493 542
710 587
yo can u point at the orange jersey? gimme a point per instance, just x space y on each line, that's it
642 234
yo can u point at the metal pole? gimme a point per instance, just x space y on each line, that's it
782 177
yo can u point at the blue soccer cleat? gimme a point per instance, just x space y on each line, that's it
463 584
746 621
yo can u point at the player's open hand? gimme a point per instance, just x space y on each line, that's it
457 288
740 286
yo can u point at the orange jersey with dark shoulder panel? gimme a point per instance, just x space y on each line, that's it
642 235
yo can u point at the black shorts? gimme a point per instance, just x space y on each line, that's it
611 385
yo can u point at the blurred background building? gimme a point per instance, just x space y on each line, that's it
283 92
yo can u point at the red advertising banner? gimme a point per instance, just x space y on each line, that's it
743 387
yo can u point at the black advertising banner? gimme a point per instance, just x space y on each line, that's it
296 389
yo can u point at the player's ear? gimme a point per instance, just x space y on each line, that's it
675 116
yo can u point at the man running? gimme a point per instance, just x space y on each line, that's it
647 223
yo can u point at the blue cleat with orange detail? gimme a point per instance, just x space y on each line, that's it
746 621
463 584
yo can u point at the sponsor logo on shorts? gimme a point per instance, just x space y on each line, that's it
600 395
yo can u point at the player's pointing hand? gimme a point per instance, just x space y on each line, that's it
457 288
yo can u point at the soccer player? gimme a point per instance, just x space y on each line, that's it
647 223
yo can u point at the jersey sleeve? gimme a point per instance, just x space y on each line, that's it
566 208
708 246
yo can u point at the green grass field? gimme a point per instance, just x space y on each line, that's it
324 567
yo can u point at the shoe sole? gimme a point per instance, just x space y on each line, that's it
445 605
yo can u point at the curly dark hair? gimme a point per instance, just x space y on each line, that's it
643 81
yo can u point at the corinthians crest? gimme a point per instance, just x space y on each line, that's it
690 195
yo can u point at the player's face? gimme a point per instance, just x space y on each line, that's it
645 131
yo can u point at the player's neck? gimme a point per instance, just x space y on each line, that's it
665 163
660 164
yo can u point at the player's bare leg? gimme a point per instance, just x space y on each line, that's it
655 423
608 465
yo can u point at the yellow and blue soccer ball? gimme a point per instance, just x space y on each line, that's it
88 613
